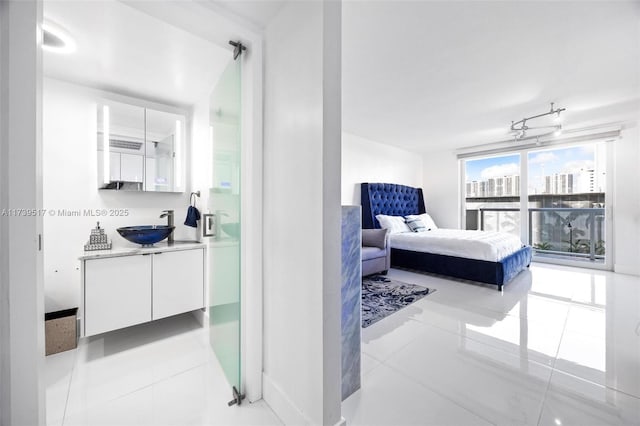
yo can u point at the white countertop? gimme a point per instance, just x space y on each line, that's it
135 249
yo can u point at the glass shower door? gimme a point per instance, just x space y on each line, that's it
224 245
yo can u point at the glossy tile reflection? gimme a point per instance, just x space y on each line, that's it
560 346
160 373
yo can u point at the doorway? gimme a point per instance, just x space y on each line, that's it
180 90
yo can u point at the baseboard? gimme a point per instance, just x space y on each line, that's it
280 403
626 269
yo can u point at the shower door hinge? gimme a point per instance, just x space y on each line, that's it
237 397
238 48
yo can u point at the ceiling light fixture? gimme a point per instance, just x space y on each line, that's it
57 40
557 118
521 127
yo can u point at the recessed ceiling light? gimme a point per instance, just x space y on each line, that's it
57 40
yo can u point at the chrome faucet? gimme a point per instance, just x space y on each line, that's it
169 215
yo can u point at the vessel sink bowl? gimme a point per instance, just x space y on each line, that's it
231 229
145 234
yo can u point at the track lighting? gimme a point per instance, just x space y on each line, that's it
521 127
558 131
557 117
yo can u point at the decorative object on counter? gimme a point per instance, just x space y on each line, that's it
97 240
193 214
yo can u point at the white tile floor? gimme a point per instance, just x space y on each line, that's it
560 346
161 373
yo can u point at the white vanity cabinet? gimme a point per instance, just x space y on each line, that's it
117 293
125 288
178 282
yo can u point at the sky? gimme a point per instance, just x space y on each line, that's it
541 163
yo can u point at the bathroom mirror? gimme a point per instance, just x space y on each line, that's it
121 148
139 148
164 136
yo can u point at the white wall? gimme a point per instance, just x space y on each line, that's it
252 216
70 182
626 202
364 160
21 290
302 213
4 283
200 158
441 192
440 188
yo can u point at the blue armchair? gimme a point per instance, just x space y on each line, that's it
376 253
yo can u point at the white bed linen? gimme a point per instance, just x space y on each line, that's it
481 245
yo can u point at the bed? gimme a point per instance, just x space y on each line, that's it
400 200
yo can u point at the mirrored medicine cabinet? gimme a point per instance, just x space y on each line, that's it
140 149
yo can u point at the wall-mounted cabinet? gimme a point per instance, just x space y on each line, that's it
117 293
131 289
145 148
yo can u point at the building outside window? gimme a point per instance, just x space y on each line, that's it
565 190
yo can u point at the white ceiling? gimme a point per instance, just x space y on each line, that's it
422 75
257 12
434 75
126 51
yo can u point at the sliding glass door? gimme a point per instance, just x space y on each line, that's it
567 198
554 198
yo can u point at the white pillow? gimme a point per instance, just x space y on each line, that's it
416 225
395 224
425 218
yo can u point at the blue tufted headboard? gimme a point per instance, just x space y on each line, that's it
390 199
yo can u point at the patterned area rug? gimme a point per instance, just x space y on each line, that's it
382 296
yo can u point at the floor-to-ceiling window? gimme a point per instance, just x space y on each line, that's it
566 190
492 193
563 217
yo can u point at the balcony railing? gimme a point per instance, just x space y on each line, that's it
575 232
500 219
566 232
